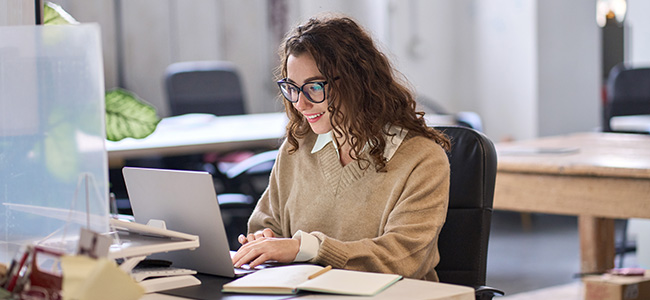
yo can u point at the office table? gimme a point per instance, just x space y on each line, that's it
200 133
210 289
596 176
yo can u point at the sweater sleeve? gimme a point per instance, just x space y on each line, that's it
267 211
408 243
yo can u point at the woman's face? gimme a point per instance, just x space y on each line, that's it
300 70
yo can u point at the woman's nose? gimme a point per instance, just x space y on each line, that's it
303 103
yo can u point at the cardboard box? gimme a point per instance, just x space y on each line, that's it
617 287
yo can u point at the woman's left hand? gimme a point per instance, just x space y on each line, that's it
263 249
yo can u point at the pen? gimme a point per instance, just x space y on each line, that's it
320 272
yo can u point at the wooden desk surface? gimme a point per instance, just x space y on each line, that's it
601 174
592 153
596 176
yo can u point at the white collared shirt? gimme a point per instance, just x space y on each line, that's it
309 244
393 140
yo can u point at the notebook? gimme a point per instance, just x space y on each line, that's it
187 202
295 278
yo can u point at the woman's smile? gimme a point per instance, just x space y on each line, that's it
313 118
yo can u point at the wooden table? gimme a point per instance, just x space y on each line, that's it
598 177
200 133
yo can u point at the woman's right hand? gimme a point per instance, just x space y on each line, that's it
266 233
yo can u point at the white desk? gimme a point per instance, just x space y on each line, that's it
200 133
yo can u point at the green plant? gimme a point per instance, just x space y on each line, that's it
126 114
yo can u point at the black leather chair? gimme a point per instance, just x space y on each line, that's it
204 87
463 241
628 93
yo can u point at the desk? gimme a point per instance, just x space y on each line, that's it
412 289
200 133
596 176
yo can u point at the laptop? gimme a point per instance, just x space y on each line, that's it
187 202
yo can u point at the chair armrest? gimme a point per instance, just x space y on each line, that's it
251 162
486 293
229 200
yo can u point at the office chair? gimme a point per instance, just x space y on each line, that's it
628 94
210 87
463 241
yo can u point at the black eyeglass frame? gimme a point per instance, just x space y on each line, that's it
301 90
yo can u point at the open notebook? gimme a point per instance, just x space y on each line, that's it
294 278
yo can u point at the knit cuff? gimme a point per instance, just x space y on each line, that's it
329 254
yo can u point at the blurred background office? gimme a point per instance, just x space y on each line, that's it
528 68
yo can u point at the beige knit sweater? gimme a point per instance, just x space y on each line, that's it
365 220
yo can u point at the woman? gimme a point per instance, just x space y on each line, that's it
361 182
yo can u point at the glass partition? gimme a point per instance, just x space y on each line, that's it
53 165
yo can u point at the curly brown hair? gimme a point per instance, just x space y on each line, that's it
367 88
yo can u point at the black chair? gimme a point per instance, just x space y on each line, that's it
628 94
463 241
212 87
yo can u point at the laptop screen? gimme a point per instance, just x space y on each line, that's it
187 202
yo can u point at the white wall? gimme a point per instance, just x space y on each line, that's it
569 67
420 40
506 80
638 35
103 13
17 12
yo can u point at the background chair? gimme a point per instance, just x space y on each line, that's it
212 87
463 241
628 94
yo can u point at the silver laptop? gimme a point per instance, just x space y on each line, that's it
187 202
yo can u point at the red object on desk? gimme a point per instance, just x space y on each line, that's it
50 282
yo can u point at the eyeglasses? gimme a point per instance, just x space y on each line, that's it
313 91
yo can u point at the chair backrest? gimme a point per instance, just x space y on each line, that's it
463 241
628 93
204 87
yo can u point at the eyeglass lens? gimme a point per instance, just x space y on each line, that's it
314 91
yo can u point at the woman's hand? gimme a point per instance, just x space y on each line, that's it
266 232
262 249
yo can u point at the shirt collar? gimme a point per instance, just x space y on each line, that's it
323 140
393 140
